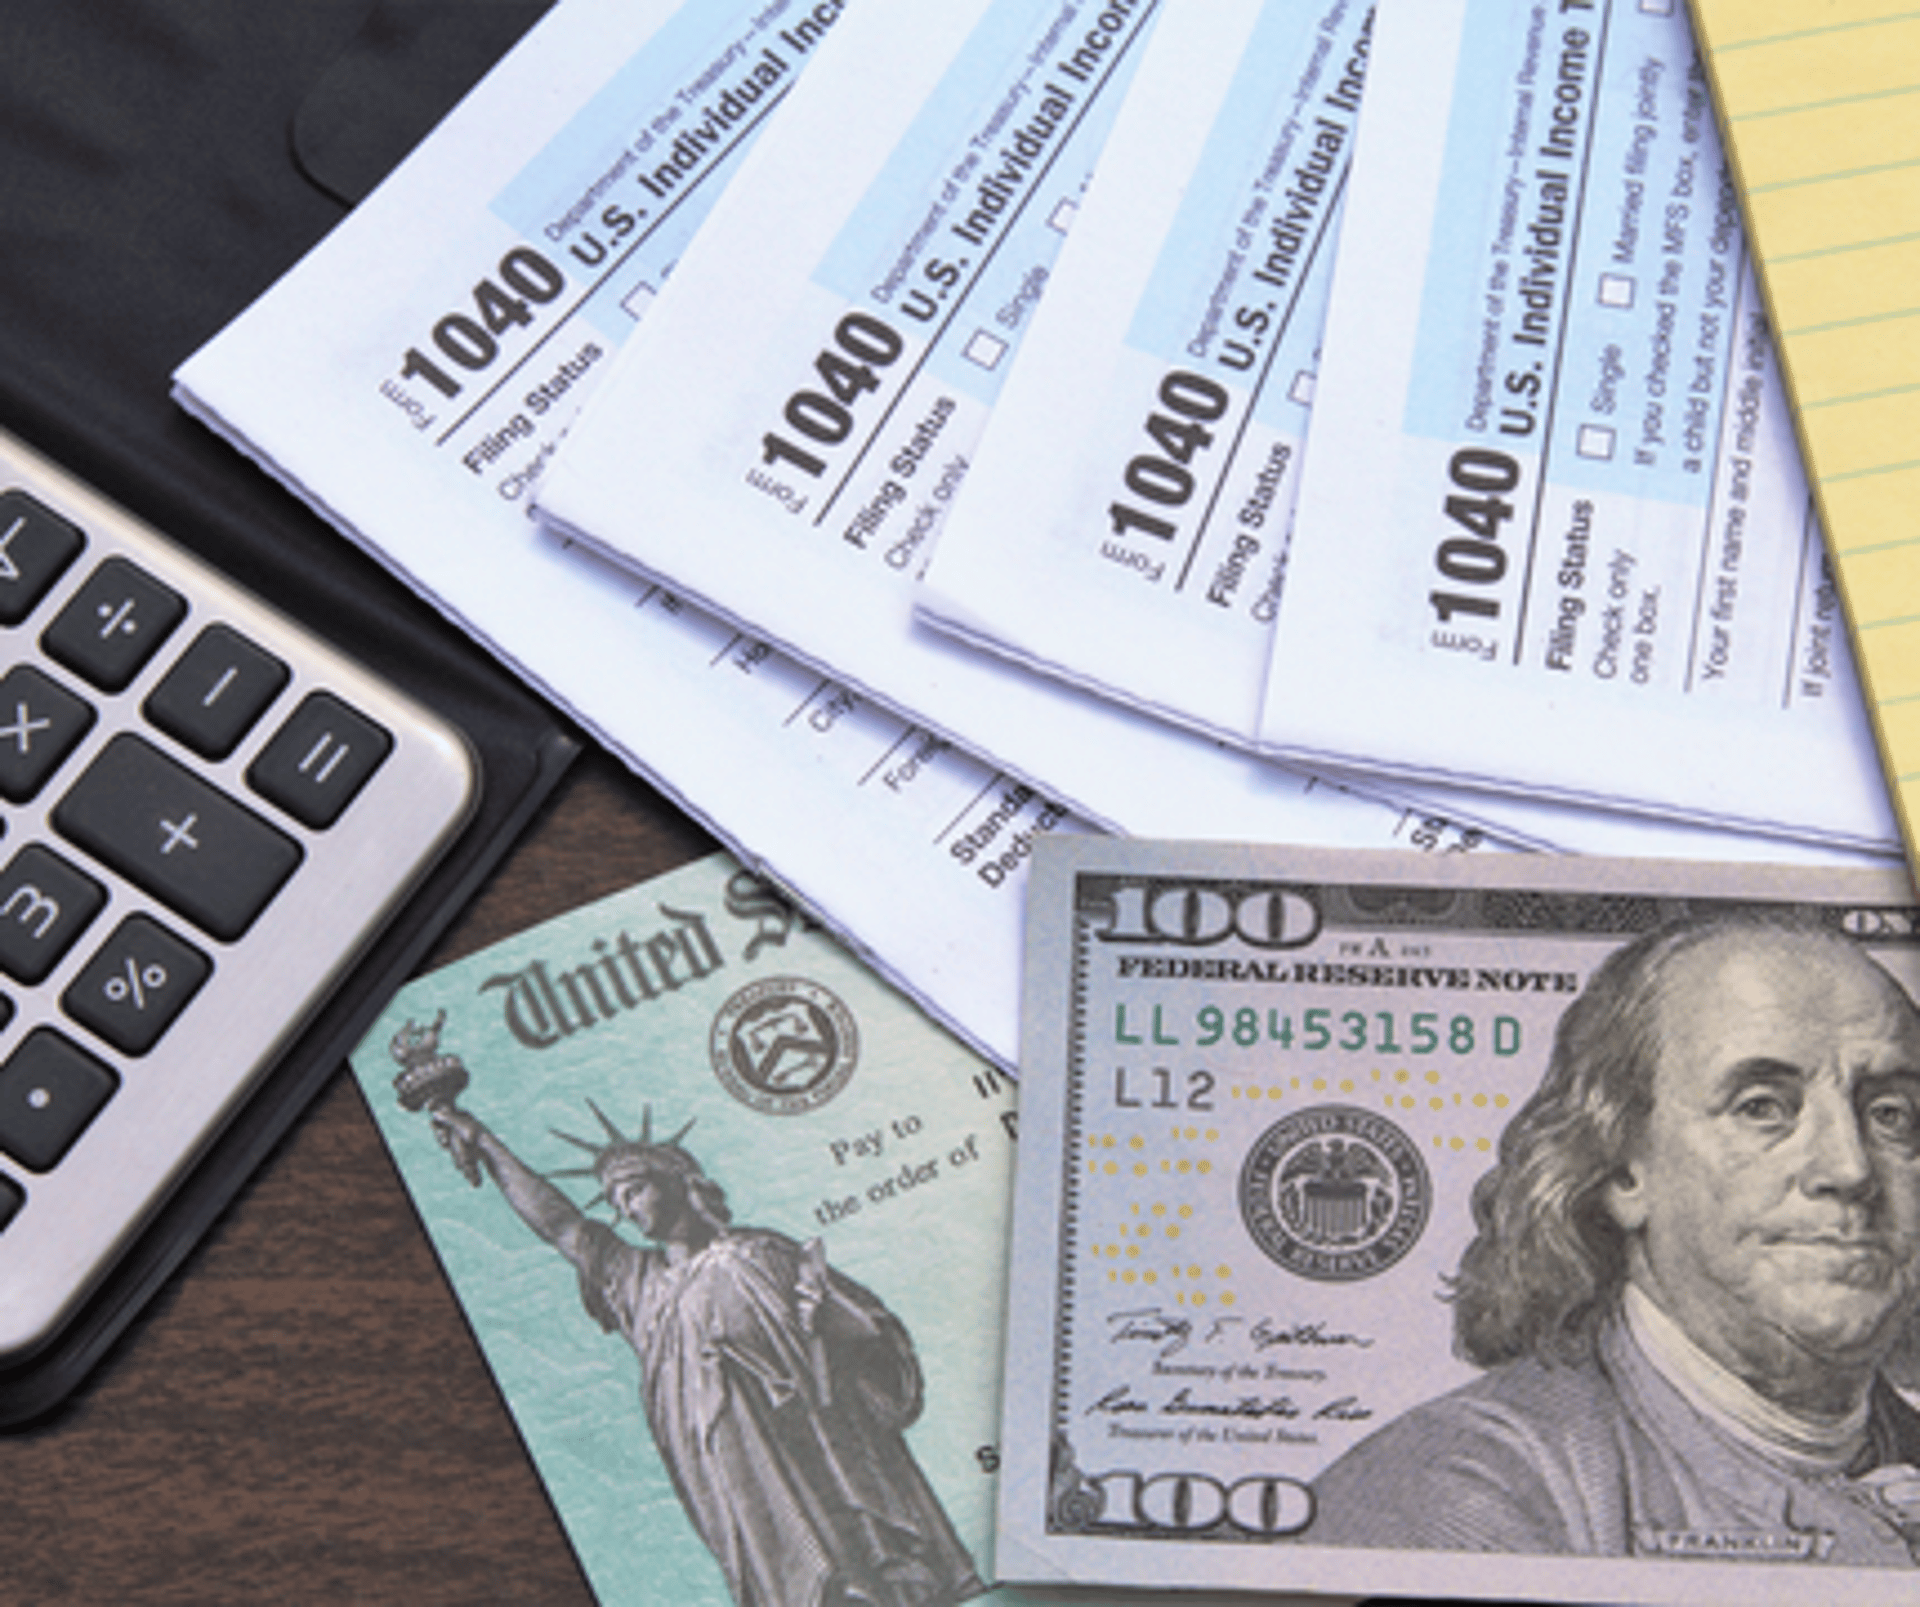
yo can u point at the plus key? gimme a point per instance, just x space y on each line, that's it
177 838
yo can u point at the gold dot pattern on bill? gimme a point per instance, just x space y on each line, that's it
1149 1243
1111 1156
1280 1087
1400 1093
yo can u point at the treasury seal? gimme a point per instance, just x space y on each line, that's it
783 1045
1334 1193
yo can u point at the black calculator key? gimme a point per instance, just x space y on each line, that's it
176 837
12 1197
319 759
113 624
134 988
215 691
36 545
40 721
44 905
50 1090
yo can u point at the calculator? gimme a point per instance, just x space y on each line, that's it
207 814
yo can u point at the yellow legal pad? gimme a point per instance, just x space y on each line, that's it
1820 104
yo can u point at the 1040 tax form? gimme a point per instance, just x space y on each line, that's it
1553 532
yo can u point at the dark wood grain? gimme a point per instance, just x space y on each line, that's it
302 1416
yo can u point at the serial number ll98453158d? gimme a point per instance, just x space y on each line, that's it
1382 1032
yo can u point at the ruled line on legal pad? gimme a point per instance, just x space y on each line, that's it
1820 107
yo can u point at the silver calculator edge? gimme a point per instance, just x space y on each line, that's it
80 1217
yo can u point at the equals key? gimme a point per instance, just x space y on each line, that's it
319 760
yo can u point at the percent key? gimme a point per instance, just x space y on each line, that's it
132 990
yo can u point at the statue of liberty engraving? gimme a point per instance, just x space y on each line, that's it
776 1388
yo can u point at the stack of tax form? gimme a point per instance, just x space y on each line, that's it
411 380
784 437
874 273
1552 532
864 215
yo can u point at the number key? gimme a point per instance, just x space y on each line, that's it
44 905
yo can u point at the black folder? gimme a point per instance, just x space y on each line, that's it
162 162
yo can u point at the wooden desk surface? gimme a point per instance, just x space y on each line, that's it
302 1415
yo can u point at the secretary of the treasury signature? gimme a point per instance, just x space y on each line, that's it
1694 1258
1172 1332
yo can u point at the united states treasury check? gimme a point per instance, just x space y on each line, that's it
802 1408
1259 1086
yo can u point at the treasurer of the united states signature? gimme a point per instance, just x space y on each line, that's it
1121 1401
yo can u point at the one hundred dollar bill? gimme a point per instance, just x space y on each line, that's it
1528 1228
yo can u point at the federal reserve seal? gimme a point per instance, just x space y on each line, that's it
784 1044
1334 1193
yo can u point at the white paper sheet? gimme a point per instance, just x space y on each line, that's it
852 307
1125 525
589 155
874 270
1553 533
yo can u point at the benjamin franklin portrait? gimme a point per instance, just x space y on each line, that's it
1696 1254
